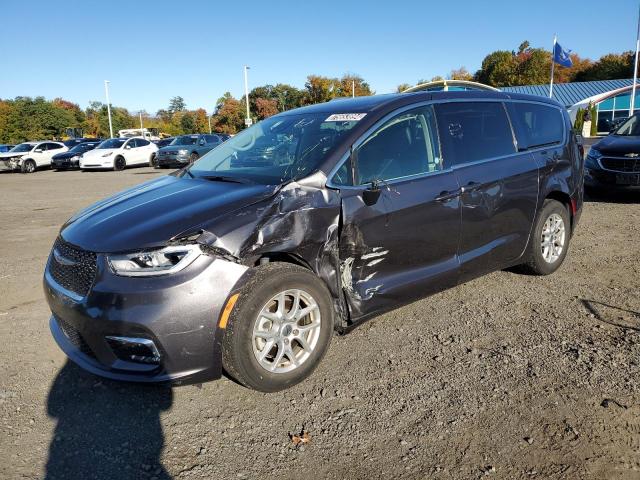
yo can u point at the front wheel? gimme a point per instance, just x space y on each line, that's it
549 242
119 163
29 166
193 157
279 328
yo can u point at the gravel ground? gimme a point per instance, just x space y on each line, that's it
509 376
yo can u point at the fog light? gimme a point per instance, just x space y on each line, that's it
132 349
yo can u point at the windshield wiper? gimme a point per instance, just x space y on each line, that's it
222 178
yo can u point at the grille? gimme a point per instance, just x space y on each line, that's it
72 268
622 164
75 338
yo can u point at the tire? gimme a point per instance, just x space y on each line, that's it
28 166
241 347
119 164
152 160
555 222
193 157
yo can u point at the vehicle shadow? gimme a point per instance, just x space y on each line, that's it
598 309
105 429
630 195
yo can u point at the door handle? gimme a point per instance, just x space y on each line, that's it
447 195
470 187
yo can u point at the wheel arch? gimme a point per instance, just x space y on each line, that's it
565 199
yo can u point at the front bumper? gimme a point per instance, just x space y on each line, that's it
169 160
595 177
10 165
96 164
177 314
65 164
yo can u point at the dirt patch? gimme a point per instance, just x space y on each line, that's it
508 376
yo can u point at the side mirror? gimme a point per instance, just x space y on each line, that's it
127 147
371 195
38 150
202 142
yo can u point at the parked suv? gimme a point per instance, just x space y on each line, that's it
29 156
363 205
119 153
614 162
186 149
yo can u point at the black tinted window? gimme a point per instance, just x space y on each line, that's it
211 139
472 131
403 146
539 124
54 146
141 142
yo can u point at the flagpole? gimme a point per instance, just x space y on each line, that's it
635 68
553 63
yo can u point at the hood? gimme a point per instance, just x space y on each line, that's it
618 145
99 152
177 147
12 154
60 156
150 214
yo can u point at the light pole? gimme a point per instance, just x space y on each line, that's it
209 117
247 120
635 70
106 91
141 126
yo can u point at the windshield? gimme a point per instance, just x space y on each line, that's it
185 140
629 128
23 147
83 147
275 150
111 143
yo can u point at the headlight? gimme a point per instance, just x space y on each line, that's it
107 154
183 152
594 153
592 158
76 157
156 262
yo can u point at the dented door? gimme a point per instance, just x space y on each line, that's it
402 244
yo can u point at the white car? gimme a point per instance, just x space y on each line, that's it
119 153
28 156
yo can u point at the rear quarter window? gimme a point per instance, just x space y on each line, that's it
473 131
538 125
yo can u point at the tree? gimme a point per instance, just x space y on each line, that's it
402 87
499 69
229 115
188 122
266 107
176 104
201 121
609 67
320 89
349 83
460 74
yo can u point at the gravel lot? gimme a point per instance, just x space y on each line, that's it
509 376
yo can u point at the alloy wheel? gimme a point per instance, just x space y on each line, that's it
286 331
553 238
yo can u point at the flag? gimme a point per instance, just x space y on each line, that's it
561 56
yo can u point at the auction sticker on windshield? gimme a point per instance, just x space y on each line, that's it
345 117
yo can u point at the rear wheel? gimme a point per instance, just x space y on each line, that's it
29 166
119 163
549 242
279 329
152 160
193 157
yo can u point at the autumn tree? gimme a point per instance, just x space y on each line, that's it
320 89
201 121
402 87
229 115
266 107
460 74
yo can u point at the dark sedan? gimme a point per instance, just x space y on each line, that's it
71 158
187 149
615 160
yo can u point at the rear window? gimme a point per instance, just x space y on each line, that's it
539 125
473 131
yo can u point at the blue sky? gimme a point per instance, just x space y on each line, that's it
152 51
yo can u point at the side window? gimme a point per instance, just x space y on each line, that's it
141 143
538 124
53 146
472 131
403 146
343 176
131 143
211 139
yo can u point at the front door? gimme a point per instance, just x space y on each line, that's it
403 244
499 186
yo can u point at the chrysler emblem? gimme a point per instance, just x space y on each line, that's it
62 260
632 155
